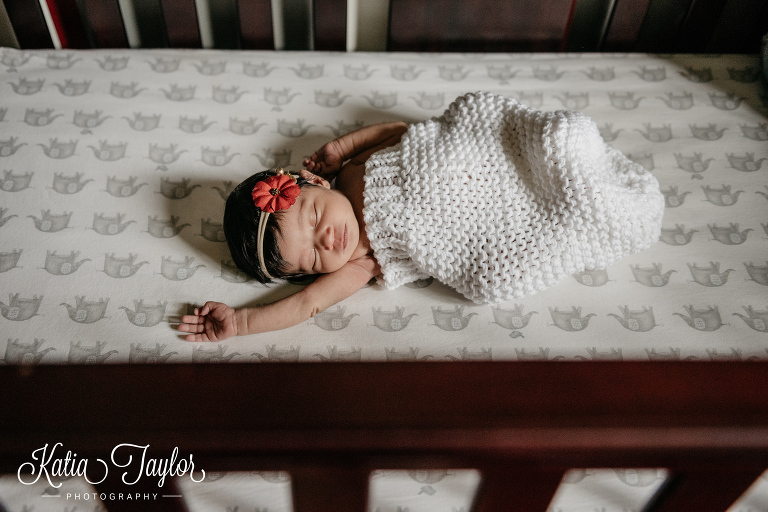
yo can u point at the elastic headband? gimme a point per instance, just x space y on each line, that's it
275 193
260 242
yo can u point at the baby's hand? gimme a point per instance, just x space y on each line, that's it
326 161
213 322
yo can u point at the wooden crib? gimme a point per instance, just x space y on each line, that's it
329 425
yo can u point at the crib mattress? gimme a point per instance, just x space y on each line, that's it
114 168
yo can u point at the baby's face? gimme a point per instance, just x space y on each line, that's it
320 231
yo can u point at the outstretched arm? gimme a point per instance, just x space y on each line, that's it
216 321
356 145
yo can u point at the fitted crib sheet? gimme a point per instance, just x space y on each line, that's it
114 168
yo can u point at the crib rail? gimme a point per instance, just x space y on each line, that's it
522 425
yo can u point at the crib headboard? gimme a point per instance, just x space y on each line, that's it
668 26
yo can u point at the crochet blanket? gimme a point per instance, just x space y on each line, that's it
499 200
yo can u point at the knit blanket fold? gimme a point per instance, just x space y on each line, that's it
498 200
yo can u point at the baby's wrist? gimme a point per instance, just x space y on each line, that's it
241 322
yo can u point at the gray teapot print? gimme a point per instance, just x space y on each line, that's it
178 270
730 235
391 321
624 100
40 117
161 228
142 123
649 74
608 355
574 101
8 146
9 260
109 152
145 315
644 159
672 355
61 61
677 236
72 88
27 87
11 182
608 133
531 99
3 218
672 199
429 101
453 73
639 478
695 164
541 355
208 68
592 278
85 311
484 354
763 193
257 70
757 133
79 354
705 319
721 196
125 91
164 154
20 353
232 274
194 125
651 276
279 97
733 355
14 59
570 320
88 121
123 188
176 189
333 319
709 276
59 150
382 101
292 128
405 73
334 354
745 163
59 265
51 223
362 72
757 273
451 319
502 73
224 191
343 128
745 75
20 309
109 226
165 64
227 95
309 72
244 126
412 354
600 74
273 159
139 354
638 320
176 93
215 355
699 76
656 133
330 99
756 319
512 319
420 284
218 157
276 355
550 74
708 133
69 184
681 101
725 101
121 268
212 231
110 63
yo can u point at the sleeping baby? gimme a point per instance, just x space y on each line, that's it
494 199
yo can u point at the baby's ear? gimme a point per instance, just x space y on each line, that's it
314 178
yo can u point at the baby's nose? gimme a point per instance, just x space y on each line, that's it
327 238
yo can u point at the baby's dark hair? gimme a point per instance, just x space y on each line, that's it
241 228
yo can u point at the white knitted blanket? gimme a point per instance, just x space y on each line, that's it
498 200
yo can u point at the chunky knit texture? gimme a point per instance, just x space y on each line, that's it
498 200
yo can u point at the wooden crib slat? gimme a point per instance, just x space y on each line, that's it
712 491
151 23
106 23
28 23
331 25
523 489
338 487
181 23
625 25
256 24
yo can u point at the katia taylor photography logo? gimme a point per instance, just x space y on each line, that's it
132 461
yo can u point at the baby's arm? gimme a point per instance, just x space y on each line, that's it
358 145
324 292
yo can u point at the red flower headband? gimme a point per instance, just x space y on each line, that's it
273 194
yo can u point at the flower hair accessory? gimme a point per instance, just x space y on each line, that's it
271 195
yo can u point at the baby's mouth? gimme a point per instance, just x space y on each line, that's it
344 239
